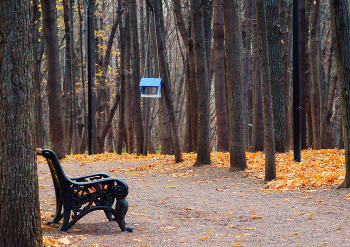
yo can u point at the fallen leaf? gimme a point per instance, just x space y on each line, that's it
64 240
206 237
257 216
238 244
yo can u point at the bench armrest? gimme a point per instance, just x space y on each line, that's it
39 151
93 177
101 180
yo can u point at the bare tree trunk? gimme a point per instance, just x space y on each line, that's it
315 103
186 37
166 87
246 69
219 69
121 118
136 79
128 88
275 68
53 80
258 126
20 222
340 19
203 148
164 129
38 110
269 141
329 135
67 83
108 124
74 98
234 84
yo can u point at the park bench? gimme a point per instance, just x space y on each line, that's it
79 196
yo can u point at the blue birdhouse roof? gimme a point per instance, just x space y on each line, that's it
151 82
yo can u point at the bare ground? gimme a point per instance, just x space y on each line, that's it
203 206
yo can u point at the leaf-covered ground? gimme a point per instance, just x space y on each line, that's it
317 167
181 205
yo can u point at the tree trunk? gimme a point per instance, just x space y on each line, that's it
192 96
74 98
203 148
36 43
164 73
128 88
68 100
269 142
340 20
246 69
108 125
121 118
275 68
234 84
20 222
219 68
315 103
329 135
164 129
258 126
136 80
53 79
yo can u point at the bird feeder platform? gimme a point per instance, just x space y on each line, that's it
151 87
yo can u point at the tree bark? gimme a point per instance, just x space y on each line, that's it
269 142
136 80
203 99
128 88
164 73
121 118
219 69
258 127
67 98
36 43
234 84
340 21
53 79
108 124
192 96
275 67
315 100
20 222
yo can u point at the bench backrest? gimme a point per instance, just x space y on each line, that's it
58 176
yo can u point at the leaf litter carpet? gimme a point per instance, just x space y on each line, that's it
180 205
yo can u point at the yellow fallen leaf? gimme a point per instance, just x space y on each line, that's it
170 187
137 240
250 228
206 237
257 216
238 244
230 226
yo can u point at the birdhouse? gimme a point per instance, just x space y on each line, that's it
151 87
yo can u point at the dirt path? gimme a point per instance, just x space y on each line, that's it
206 206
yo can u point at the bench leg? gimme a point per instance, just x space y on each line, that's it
118 214
122 208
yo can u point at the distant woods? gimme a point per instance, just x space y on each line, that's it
226 68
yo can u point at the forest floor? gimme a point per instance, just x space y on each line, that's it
181 205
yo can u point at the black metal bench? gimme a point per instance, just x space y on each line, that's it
79 196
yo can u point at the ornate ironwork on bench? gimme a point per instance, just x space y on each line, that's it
79 196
